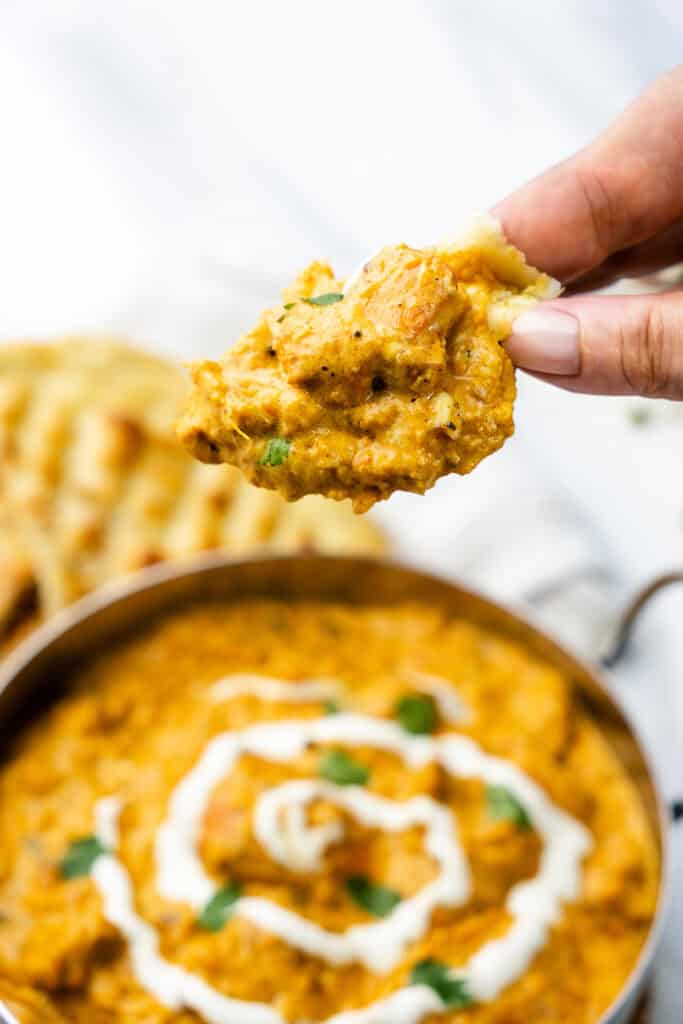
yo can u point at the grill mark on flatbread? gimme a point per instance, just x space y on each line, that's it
195 517
135 536
252 518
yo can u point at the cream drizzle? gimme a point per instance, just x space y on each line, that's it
451 706
381 945
301 846
267 688
170 984
534 905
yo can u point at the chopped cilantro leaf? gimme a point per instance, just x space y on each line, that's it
338 767
417 713
81 856
503 805
220 907
288 305
328 299
276 451
376 899
331 707
451 990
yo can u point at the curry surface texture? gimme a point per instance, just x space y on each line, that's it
384 383
138 720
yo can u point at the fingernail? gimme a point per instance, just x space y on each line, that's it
546 340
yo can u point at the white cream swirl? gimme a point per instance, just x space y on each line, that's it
267 688
534 904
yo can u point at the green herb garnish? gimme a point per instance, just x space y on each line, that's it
328 299
503 805
451 990
276 452
377 900
331 707
417 713
338 767
81 856
280 319
220 907
288 305
640 416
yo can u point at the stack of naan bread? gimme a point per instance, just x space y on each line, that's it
94 485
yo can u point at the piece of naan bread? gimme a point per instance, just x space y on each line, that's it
93 482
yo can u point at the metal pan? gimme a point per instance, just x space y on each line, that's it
37 671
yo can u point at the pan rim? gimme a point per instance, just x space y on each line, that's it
153 577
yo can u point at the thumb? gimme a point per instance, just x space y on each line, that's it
608 345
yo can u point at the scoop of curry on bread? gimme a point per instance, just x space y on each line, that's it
385 382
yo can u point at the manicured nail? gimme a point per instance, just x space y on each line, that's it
546 340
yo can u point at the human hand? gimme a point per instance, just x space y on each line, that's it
614 209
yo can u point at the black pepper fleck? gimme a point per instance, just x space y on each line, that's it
204 439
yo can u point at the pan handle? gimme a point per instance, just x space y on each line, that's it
624 635
630 615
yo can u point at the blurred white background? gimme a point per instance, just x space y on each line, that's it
167 166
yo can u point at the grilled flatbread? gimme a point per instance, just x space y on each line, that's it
93 483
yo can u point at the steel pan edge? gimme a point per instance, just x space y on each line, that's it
118 607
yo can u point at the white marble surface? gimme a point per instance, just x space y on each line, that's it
166 166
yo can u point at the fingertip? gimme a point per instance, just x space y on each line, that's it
546 340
